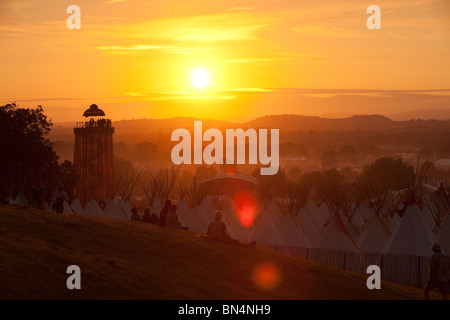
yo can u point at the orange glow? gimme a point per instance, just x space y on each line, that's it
139 61
230 170
266 276
246 208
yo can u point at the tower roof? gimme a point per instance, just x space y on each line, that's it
93 111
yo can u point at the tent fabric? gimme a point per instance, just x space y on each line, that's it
336 237
205 211
67 209
313 213
291 232
92 209
157 206
182 207
308 228
375 236
126 208
412 236
113 211
426 210
76 206
20 199
444 235
265 231
365 212
189 219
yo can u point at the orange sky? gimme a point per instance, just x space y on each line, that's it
134 58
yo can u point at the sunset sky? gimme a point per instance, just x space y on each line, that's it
136 59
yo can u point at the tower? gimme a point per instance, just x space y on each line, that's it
93 156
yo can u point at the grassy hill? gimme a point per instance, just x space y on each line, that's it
132 260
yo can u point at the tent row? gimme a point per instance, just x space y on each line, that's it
313 227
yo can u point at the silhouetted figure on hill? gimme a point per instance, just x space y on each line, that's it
217 230
38 196
58 198
172 219
154 218
164 212
146 216
438 272
135 214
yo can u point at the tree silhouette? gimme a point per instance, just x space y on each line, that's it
27 154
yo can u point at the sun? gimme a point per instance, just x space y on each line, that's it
200 78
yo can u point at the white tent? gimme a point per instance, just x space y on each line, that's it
291 233
189 219
67 209
205 211
126 208
92 209
113 211
308 228
394 221
336 237
412 236
365 212
157 206
375 236
315 215
20 199
76 206
358 222
182 207
274 213
265 232
242 232
444 235
324 213
427 214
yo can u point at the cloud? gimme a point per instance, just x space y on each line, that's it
227 26
161 96
240 9
113 1
138 48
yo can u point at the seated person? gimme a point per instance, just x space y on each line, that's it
135 214
172 217
217 230
146 216
154 218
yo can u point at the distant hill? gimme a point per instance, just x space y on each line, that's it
299 122
133 260
138 128
425 114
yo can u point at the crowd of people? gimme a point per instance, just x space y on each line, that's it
167 217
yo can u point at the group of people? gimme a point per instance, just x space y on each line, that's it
167 217
38 198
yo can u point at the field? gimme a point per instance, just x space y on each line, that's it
133 260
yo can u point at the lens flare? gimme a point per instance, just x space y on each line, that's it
266 276
246 208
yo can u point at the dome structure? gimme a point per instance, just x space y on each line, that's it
93 111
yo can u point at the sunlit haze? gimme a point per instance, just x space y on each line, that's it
149 59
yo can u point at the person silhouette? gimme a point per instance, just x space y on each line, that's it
438 272
217 230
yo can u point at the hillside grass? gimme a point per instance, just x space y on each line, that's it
133 260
